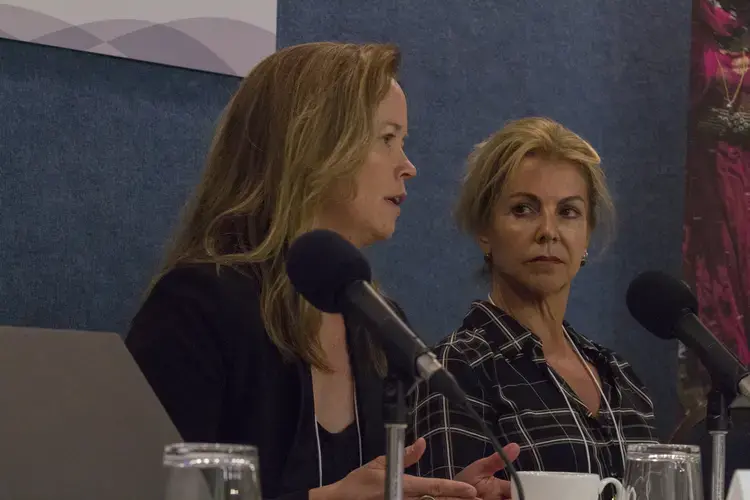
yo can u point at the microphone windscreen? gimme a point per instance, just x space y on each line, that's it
658 300
321 265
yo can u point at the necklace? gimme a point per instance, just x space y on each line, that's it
740 66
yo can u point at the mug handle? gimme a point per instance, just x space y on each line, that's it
618 486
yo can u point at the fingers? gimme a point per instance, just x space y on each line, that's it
413 453
488 466
503 488
512 451
438 488
494 463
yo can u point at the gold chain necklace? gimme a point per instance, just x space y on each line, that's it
744 65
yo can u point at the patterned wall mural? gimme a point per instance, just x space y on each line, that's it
222 36
716 245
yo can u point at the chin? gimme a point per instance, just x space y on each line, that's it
546 285
384 235
381 234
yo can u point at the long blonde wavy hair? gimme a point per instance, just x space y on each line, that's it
300 124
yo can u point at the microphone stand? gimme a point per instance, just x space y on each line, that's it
394 418
718 423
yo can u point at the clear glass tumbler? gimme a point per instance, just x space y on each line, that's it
663 472
204 471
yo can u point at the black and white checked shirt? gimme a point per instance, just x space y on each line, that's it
500 365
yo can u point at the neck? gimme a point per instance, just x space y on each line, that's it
542 315
332 331
333 342
350 236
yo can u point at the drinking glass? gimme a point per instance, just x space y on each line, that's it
205 471
663 472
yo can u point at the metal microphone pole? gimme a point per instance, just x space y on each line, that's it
394 417
718 424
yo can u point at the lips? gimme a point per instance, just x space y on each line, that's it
397 200
546 258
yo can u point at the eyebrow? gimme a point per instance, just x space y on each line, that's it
395 125
567 199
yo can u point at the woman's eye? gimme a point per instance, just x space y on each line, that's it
522 209
570 212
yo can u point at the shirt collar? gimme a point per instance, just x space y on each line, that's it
513 339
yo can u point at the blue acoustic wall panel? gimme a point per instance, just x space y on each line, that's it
97 155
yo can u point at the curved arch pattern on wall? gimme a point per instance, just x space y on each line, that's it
213 44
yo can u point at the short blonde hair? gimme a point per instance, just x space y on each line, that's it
496 159
300 124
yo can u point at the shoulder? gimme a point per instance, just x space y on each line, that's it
205 281
200 300
200 341
465 345
464 353
469 343
207 286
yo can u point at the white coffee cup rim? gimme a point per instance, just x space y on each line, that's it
555 473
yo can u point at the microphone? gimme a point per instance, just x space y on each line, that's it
666 307
334 276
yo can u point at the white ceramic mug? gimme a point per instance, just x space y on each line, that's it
563 486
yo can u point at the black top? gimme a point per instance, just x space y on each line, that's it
340 453
501 366
200 341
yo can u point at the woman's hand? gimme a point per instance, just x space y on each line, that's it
481 474
368 482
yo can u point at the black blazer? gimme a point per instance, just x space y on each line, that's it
200 341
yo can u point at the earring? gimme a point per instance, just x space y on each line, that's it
488 258
585 258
